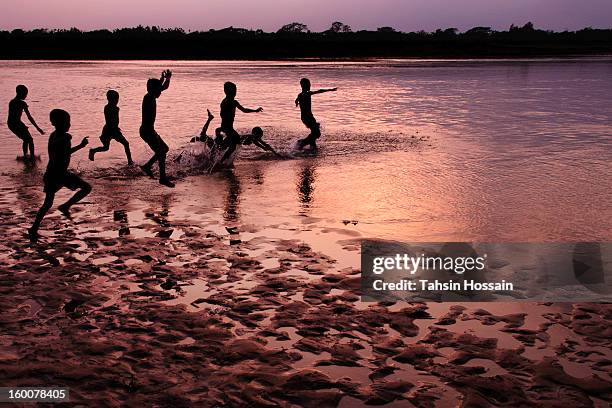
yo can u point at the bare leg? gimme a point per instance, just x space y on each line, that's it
126 146
307 141
147 166
228 152
103 148
161 158
231 148
163 179
33 231
84 190
162 151
28 142
311 139
128 154
31 146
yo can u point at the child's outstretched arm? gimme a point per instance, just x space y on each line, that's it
207 124
165 78
81 145
247 110
32 121
318 91
264 146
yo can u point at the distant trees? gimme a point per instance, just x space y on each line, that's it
448 33
293 28
295 40
479 32
339 27
526 28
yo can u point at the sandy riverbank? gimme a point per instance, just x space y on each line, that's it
149 303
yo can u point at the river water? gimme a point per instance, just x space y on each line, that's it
499 150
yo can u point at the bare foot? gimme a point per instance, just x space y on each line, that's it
32 234
64 210
166 182
147 171
91 154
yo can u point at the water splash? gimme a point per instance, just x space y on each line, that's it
198 158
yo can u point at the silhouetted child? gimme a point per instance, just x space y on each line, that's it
17 106
57 175
111 128
256 138
228 114
147 129
304 101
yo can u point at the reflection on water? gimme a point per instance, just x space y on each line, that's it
232 200
412 150
305 185
257 174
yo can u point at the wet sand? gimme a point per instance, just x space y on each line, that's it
151 303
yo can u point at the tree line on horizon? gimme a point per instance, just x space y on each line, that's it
295 40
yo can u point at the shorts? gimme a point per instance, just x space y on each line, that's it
231 138
110 133
55 182
21 131
310 122
154 140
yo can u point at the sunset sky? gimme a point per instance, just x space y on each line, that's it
406 15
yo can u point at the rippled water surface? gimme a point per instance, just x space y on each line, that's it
413 150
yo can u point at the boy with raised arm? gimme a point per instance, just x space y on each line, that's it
17 106
228 114
57 175
147 129
304 101
111 128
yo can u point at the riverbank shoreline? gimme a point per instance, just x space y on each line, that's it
140 302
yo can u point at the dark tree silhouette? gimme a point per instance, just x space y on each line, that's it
479 31
295 41
339 27
293 28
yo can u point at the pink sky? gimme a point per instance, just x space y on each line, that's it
406 15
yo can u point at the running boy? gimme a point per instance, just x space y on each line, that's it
57 175
228 114
17 106
147 129
304 101
111 128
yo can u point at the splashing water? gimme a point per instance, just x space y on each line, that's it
198 158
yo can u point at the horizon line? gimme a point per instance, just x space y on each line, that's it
203 30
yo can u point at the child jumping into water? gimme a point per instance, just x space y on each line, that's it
147 129
111 128
304 101
256 138
228 114
57 175
17 106
204 138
